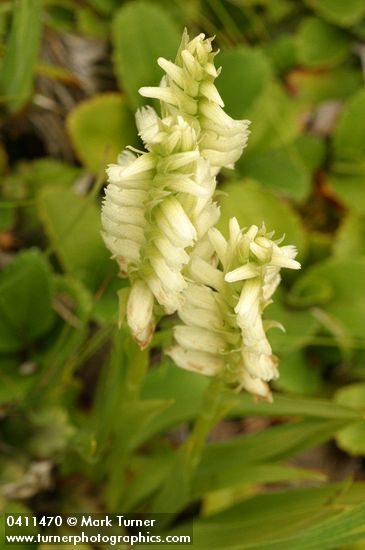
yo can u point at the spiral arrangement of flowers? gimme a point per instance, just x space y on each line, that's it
159 217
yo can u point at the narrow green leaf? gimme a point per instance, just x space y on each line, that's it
123 295
137 418
148 473
285 405
169 382
275 443
284 517
217 476
17 69
344 528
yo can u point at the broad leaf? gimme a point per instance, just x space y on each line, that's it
72 224
298 376
100 128
338 287
350 239
349 135
245 72
142 32
276 119
251 204
25 301
339 12
321 44
350 190
281 170
352 438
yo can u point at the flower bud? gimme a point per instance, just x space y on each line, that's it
140 313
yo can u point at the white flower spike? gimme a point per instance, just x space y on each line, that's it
223 308
188 88
156 206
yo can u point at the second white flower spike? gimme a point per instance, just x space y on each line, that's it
223 310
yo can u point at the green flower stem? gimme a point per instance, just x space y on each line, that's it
136 371
209 415
187 459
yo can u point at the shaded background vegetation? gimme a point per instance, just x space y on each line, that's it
74 434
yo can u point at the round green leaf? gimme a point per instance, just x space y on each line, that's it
311 151
281 170
342 12
100 128
321 44
299 325
282 52
25 301
297 375
350 238
142 32
349 135
72 224
338 286
276 118
350 190
352 396
352 439
251 204
245 72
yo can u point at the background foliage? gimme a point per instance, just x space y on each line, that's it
76 432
